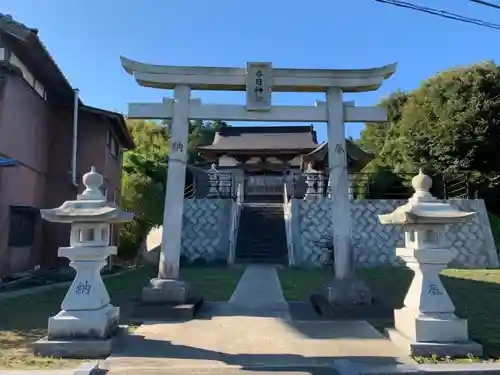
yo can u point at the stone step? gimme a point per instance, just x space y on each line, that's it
261 261
248 238
271 217
277 244
268 231
278 227
261 252
263 213
262 235
276 248
264 224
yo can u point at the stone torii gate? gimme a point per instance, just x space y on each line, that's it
259 80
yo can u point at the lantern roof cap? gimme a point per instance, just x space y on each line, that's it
90 206
424 208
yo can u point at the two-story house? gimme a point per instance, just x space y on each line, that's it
55 139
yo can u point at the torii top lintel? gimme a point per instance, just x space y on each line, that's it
234 79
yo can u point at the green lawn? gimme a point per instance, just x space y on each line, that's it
23 320
476 294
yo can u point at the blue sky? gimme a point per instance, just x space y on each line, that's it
86 38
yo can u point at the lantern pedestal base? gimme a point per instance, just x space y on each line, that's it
348 292
436 327
73 349
428 349
441 334
80 334
84 324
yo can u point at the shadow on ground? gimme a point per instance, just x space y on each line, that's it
157 351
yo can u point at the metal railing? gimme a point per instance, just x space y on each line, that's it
190 192
382 185
212 186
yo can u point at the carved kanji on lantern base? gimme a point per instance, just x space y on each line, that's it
427 324
87 322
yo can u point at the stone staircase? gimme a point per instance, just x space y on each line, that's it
262 235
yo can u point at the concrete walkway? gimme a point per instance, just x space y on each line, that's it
254 332
259 289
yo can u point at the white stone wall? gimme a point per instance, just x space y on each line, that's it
206 229
375 243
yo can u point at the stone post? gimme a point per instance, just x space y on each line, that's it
87 322
427 324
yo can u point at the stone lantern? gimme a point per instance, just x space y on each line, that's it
213 181
427 324
87 321
311 182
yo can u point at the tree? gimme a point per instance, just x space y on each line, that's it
449 124
143 183
453 122
374 135
145 174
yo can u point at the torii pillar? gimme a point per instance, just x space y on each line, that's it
345 289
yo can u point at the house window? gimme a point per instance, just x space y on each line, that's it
23 221
113 145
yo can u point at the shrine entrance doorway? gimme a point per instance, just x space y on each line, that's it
264 185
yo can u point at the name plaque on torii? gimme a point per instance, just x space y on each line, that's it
259 76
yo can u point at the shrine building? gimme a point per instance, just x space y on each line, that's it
265 158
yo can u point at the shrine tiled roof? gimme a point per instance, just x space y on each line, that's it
357 157
301 138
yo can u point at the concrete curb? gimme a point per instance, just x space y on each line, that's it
37 372
347 367
473 368
87 368
39 289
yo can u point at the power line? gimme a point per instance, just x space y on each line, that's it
488 4
443 13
